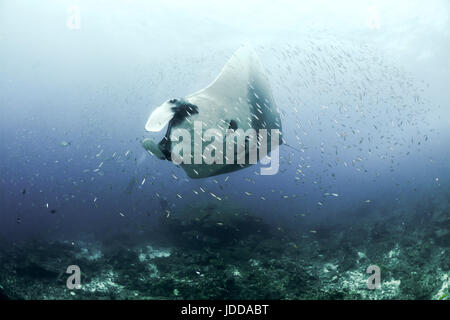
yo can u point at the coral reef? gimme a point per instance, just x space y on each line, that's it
212 253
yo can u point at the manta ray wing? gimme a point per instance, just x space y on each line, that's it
243 87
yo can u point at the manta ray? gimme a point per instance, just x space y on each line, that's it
238 102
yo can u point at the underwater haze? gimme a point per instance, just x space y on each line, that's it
362 89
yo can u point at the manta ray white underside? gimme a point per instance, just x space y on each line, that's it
239 98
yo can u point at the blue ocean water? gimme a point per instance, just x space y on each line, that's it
361 87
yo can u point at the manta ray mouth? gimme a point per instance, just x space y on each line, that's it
181 111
